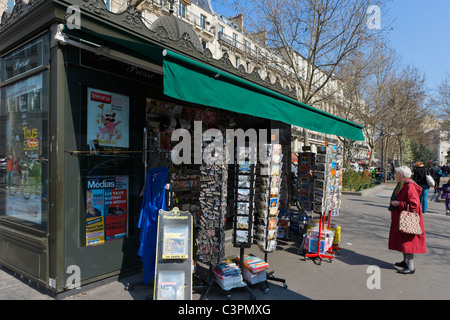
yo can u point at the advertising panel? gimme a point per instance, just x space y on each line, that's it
107 119
106 209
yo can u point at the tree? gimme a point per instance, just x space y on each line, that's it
422 153
441 101
367 80
313 37
406 100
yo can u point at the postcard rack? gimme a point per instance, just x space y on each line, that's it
321 204
244 206
323 243
268 184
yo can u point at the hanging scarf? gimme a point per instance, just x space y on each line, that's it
397 190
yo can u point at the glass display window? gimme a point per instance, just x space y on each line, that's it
24 126
24 109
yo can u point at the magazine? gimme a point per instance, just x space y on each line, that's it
175 243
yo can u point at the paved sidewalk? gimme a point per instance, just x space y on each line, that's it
365 223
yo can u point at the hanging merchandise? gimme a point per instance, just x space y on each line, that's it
154 199
337 189
184 190
210 240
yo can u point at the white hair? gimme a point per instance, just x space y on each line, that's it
404 171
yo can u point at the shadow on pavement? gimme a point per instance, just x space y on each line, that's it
353 258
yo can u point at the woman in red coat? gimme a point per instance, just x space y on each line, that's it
406 197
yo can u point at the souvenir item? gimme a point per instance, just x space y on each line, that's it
243 200
268 199
210 238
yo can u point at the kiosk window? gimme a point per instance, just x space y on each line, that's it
24 150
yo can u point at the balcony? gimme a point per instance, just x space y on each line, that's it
242 47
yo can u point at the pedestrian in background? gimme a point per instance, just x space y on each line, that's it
406 196
420 177
436 174
446 196
10 169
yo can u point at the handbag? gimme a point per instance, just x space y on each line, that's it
410 223
430 180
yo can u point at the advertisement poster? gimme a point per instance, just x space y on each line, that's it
107 119
23 145
106 209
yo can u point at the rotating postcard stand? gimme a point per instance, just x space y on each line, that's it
266 217
173 272
321 205
243 204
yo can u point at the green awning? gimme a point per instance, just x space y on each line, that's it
188 80
192 81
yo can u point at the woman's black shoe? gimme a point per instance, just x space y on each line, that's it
402 264
407 271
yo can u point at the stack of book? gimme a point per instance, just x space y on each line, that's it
255 269
228 275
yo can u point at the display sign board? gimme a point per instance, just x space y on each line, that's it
173 272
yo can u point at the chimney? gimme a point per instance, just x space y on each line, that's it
239 20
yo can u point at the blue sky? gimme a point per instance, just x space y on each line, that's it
420 34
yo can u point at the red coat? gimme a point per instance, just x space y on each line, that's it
406 243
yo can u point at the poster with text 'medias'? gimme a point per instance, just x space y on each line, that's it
108 119
106 209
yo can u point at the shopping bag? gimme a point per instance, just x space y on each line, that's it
410 223
430 180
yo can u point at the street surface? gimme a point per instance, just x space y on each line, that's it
362 271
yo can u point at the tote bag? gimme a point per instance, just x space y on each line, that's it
410 223
430 180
